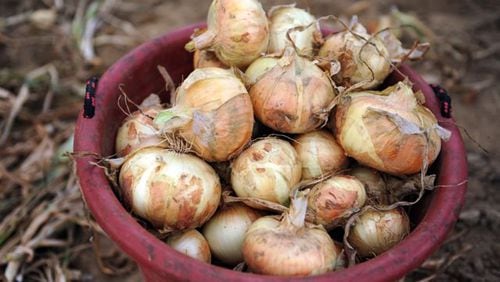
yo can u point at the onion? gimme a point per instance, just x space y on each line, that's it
137 130
286 17
364 59
206 59
375 231
258 68
171 190
191 243
267 170
237 32
212 112
293 96
374 184
335 199
289 247
319 153
226 230
388 130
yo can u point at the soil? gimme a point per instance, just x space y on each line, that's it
465 60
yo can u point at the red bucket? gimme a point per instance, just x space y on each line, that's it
137 73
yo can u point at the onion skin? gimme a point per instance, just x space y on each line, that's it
375 231
368 134
206 59
225 231
191 243
375 187
335 199
258 68
267 170
171 190
319 153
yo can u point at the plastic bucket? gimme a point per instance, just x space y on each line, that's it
137 73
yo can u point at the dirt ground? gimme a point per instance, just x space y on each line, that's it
39 195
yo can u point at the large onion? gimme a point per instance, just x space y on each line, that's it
388 130
191 243
267 170
213 112
226 230
238 32
319 153
293 96
171 190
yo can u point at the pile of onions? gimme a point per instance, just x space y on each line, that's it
173 191
237 32
388 130
364 59
191 243
319 154
335 199
285 18
226 230
374 232
289 247
212 112
267 170
293 96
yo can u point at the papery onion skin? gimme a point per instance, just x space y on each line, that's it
374 140
238 31
173 191
206 59
258 68
191 243
375 232
284 18
267 170
294 97
335 199
272 250
375 187
225 231
319 153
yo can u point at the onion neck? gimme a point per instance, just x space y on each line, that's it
203 41
295 218
169 120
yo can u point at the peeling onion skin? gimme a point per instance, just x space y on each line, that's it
335 199
225 231
191 243
206 59
267 170
319 153
375 232
374 140
273 250
173 191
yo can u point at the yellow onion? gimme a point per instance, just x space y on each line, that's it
212 112
286 17
363 58
237 32
293 96
319 153
267 170
191 243
173 191
335 199
375 187
289 247
388 130
374 232
137 130
206 59
226 230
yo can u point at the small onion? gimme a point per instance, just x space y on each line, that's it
374 232
293 96
319 153
375 187
226 230
363 58
213 112
267 170
171 190
335 199
387 130
285 17
191 243
289 247
237 32
206 59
